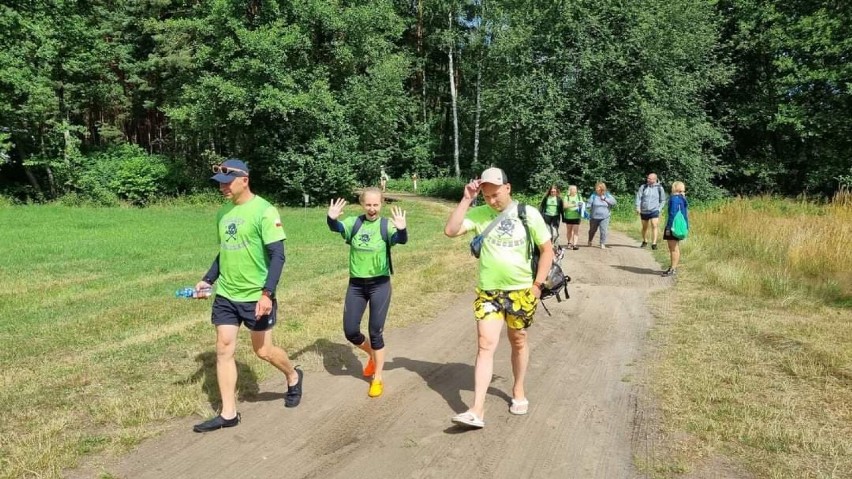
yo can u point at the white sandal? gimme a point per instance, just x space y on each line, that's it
519 408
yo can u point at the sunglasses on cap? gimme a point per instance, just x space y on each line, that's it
227 170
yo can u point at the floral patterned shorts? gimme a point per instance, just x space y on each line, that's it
515 307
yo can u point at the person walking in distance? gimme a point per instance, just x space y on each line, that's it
677 203
650 199
551 209
507 291
600 209
370 239
246 273
383 179
572 204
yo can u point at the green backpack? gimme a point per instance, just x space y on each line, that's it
679 227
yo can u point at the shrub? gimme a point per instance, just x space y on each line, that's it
125 172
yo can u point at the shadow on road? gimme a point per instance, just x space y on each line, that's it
446 379
636 270
338 359
247 387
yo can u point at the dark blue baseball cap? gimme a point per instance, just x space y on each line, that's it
230 170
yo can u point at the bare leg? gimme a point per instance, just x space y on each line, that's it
261 341
674 250
226 368
520 360
489 336
645 232
655 224
379 360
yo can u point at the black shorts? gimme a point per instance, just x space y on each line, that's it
667 235
571 221
649 216
227 312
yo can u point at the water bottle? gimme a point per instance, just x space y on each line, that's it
191 292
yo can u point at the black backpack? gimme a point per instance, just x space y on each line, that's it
383 227
557 281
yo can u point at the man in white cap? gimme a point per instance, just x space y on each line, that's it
246 272
508 289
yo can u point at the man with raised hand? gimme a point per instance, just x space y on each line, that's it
650 199
507 290
246 272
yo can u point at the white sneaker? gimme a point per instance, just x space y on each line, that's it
603 246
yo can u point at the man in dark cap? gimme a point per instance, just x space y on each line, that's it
246 273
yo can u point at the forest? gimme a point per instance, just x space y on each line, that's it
132 100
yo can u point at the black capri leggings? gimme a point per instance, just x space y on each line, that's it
376 291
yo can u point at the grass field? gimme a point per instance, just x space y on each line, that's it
752 350
100 354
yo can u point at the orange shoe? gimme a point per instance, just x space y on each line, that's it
376 388
370 368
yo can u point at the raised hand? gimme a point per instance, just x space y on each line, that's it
335 208
398 217
472 189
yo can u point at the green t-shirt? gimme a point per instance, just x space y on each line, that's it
244 231
367 251
551 206
503 262
570 212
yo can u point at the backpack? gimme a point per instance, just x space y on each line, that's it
383 227
557 281
659 191
679 227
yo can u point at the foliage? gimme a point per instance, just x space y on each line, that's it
735 94
127 173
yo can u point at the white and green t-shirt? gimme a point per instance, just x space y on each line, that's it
244 231
504 263
551 205
367 252
571 212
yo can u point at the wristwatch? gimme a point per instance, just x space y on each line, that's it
538 284
267 293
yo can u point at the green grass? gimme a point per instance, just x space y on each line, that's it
100 354
752 350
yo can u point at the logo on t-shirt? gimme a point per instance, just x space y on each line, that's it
506 227
363 239
505 235
231 232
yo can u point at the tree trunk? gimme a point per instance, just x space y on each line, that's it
420 54
33 181
455 110
478 114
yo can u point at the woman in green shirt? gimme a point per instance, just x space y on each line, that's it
551 211
572 204
370 238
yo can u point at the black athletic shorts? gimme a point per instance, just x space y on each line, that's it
230 312
667 235
649 216
569 221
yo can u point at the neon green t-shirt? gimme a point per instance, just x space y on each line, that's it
551 207
367 251
244 231
570 212
504 263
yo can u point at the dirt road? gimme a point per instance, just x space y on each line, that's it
582 418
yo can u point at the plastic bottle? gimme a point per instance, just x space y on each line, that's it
191 292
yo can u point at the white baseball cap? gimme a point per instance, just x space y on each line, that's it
495 176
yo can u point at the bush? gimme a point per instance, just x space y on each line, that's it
448 188
125 172
322 173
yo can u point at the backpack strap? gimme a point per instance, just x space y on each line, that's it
355 227
383 227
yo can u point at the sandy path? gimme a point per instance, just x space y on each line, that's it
582 418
